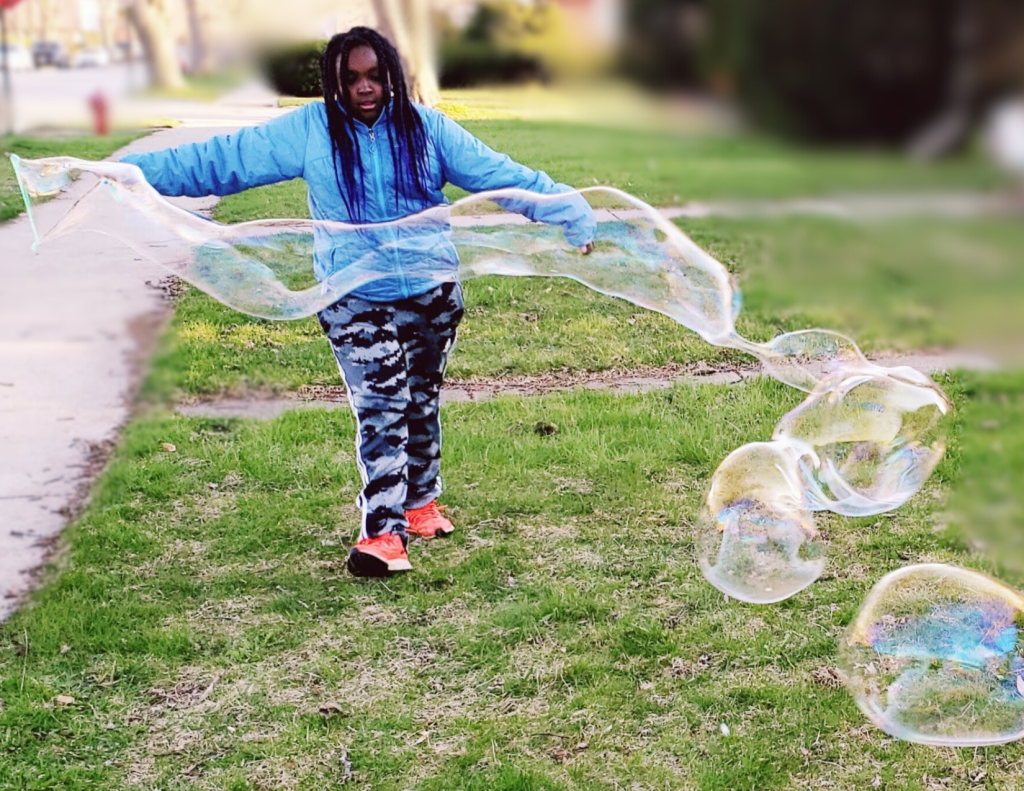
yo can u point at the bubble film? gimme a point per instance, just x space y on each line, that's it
865 440
934 656
877 434
757 539
263 268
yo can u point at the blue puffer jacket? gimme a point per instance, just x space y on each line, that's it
298 145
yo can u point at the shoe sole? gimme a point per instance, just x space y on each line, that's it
435 534
363 564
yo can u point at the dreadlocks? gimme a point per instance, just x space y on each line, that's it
408 151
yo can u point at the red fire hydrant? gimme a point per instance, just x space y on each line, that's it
100 113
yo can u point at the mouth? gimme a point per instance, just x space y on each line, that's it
367 106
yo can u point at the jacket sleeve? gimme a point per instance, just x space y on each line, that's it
226 164
468 163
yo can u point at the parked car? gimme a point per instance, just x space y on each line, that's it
127 51
90 56
50 53
17 56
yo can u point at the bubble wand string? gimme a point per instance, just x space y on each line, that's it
16 164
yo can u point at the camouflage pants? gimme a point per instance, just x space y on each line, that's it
392 357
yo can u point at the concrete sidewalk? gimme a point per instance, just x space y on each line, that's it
77 322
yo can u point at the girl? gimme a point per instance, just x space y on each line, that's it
369 155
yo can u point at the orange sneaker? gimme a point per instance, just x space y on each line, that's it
379 557
427 521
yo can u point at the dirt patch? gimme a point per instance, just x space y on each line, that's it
617 380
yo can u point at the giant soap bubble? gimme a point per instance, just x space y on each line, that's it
758 542
935 656
865 440
264 267
877 434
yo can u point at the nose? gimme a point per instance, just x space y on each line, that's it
363 87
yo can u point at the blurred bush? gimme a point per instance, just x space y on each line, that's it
467 63
294 70
834 70
662 42
509 41
826 70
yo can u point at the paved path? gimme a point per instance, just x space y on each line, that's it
60 99
76 326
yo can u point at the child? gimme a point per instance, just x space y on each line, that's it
369 155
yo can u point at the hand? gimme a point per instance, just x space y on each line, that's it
587 249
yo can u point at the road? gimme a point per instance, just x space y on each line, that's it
59 98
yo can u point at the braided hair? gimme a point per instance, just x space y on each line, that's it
408 151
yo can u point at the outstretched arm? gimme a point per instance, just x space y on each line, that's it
470 164
226 164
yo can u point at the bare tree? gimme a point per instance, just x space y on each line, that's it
44 17
200 51
153 21
108 21
407 24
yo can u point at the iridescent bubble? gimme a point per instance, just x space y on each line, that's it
258 267
877 435
757 541
802 358
935 656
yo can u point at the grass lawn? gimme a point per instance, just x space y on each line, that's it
204 626
198 630
200 87
668 169
28 147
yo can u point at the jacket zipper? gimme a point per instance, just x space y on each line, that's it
378 177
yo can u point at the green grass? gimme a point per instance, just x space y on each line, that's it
668 169
201 87
513 326
987 505
296 101
83 147
199 614
562 639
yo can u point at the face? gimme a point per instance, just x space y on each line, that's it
362 80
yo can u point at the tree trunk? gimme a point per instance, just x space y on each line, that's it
40 20
152 20
47 16
426 87
200 53
407 25
108 17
